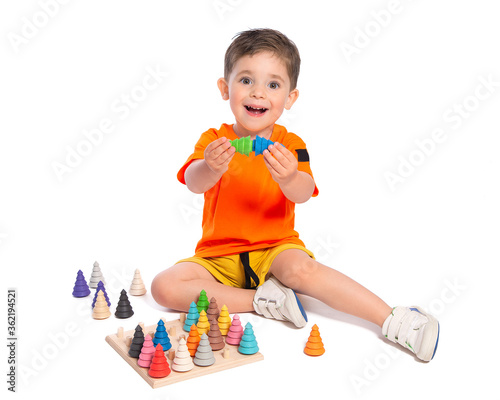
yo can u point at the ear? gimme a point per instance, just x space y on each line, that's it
292 97
224 88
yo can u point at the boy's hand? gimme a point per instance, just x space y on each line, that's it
297 186
218 155
283 166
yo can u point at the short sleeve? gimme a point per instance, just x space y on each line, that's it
199 149
297 146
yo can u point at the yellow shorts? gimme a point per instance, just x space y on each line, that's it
229 270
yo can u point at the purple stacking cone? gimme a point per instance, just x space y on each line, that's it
81 289
100 286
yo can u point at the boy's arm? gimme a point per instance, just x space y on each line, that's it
203 174
297 186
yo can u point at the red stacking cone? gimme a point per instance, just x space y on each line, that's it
159 367
314 345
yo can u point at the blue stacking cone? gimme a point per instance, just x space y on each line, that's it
161 336
192 317
248 344
260 144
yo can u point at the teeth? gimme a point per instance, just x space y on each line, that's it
256 108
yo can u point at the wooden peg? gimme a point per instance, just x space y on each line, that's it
173 332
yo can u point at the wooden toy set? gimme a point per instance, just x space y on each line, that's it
182 349
179 364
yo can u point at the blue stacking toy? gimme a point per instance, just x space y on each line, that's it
260 144
192 317
248 344
161 336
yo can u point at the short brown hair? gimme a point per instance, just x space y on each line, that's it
253 41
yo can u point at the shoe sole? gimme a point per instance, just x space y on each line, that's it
293 305
431 338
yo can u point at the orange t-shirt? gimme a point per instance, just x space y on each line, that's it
246 209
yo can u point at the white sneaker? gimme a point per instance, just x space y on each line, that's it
274 300
413 329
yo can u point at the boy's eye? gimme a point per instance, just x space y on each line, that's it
274 85
245 81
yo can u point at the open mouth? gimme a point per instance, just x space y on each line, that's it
256 110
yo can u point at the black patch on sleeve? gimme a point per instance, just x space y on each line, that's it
302 155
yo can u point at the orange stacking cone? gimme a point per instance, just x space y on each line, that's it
193 340
159 367
314 345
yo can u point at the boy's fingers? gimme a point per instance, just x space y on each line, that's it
280 149
271 161
226 156
279 155
217 147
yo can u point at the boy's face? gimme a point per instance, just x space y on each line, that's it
258 91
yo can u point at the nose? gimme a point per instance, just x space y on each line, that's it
258 92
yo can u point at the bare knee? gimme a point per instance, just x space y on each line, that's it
163 289
174 288
296 272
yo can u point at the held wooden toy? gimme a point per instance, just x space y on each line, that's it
245 145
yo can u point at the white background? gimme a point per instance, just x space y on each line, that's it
430 240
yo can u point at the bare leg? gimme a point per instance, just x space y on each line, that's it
295 269
181 284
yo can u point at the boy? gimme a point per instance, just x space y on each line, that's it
248 237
